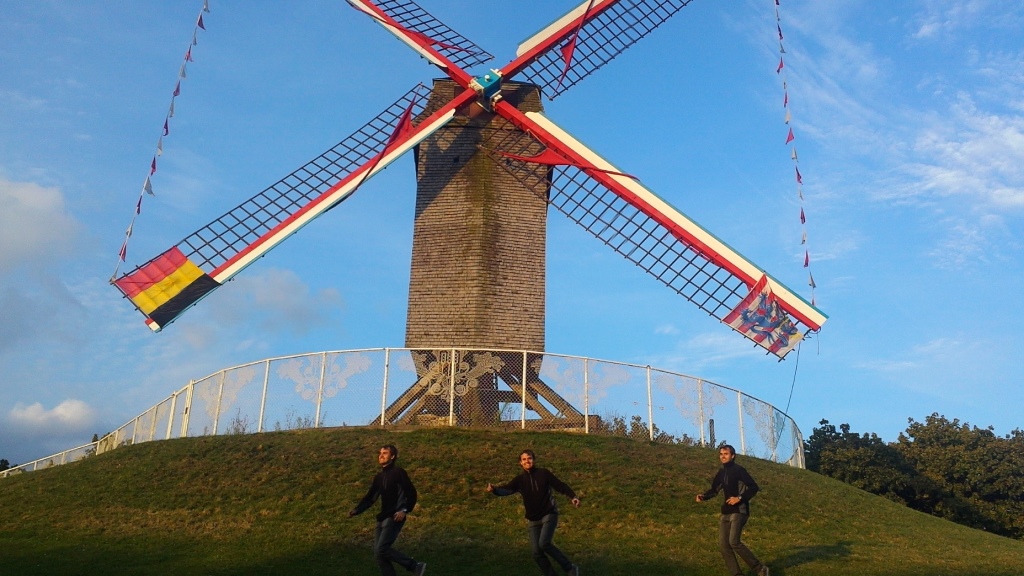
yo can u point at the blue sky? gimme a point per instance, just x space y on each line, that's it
909 119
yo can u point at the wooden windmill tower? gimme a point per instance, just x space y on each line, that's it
488 165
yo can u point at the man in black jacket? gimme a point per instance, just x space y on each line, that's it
739 488
535 485
397 498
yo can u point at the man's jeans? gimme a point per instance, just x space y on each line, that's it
384 536
541 533
730 528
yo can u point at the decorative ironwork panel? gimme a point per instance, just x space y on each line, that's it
352 388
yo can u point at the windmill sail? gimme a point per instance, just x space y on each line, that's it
587 37
172 282
423 33
654 235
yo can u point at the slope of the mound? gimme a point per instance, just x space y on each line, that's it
277 503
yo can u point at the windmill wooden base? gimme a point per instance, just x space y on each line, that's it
473 394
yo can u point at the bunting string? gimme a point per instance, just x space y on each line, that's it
790 143
147 184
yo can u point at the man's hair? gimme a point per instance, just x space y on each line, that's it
391 448
528 451
727 447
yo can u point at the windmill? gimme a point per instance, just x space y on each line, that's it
488 164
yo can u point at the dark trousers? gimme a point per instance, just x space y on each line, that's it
383 537
541 533
730 528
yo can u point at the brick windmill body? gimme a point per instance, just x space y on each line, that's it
478 272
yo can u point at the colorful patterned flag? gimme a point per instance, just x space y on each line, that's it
759 318
165 287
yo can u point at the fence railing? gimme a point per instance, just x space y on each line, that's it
506 389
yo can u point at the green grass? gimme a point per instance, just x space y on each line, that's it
276 503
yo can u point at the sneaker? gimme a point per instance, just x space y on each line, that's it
420 569
574 571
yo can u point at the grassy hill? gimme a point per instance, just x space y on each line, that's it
276 503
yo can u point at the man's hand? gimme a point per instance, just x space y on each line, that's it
576 502
351 512
700 498
490 487
399 516
733 501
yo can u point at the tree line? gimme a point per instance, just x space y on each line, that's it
952 470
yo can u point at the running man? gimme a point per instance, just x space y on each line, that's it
739 488
535 485
397 498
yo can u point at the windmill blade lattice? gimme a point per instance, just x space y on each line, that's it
454 46
601 38
175 280
220 240
624 228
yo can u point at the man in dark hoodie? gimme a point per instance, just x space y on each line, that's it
397 498
535 485
739 488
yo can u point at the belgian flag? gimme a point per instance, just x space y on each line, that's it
165 287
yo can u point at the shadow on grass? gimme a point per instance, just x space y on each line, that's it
806 554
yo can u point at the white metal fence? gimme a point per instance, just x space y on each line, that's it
459 387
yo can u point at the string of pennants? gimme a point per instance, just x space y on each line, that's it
790 138
147 184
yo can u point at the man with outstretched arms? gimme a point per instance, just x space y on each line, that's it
535 485
397 498
739 488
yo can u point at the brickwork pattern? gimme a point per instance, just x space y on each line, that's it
478 257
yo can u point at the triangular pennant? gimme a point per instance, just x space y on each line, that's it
785 99
128 232
803 238
170 111
200 22
799 179
167 128
780 31
790 137
206 5
803 219
549 157
811 280
181 71
188 55
782 49
152 166
147 187
793 155
800 192
194 42
123 252
160 146
177 89
781 65
138 205
788 116
569 47
807 258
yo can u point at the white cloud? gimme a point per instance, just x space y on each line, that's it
68 416
273 300
35 226
668 329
